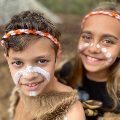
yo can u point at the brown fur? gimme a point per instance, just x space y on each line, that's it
51 105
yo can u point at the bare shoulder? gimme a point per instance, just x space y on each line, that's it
64 88
76 112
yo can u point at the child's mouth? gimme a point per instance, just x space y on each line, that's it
32 86
92 59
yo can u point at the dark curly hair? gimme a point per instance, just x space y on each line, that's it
32 20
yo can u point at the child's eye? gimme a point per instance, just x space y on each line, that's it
42 61
17 63
107 41
86 37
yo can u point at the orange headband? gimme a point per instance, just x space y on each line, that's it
103 12
27 31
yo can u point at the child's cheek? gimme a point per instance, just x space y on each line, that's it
83 46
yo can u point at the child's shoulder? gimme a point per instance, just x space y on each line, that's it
64 88
76 112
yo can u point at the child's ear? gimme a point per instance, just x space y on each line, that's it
58 57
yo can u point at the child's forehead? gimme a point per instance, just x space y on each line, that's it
102 21
41 48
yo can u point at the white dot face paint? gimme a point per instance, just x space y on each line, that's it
103 49
80 47
91 44
28 69
108 55
98 46
110 60
86 44
32 93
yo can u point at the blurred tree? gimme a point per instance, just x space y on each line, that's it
70 6
118 1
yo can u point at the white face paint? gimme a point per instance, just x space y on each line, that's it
108 55
110 60
32 93
91 44
86 44
103 50
28 69
98 46
80 47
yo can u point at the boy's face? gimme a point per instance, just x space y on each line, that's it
39 54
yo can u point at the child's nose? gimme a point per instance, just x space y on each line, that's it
94 48
30 75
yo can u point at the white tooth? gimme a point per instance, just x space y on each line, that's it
92 59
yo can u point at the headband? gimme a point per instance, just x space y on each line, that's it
103 12
27 31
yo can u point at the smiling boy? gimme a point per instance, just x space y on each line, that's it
32 50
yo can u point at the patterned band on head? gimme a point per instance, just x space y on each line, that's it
27 31
103 12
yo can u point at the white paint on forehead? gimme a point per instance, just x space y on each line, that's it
103 49
86 44
98 46
28 69
108 55
32 93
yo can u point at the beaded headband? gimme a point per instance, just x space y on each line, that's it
103 12
27 31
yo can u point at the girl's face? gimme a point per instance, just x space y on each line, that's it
99 44
39 55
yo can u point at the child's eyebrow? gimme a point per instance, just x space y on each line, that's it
88 32
43 56
109 35
37 57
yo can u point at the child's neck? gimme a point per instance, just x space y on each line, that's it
100 76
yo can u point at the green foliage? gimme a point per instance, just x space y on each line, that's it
71 6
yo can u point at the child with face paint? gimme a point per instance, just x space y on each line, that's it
95 70
32 50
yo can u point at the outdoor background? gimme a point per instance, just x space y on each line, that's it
66 14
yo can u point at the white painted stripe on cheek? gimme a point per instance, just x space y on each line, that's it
91 44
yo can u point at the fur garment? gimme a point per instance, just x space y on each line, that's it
51 105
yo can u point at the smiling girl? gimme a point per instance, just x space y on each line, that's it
95 70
